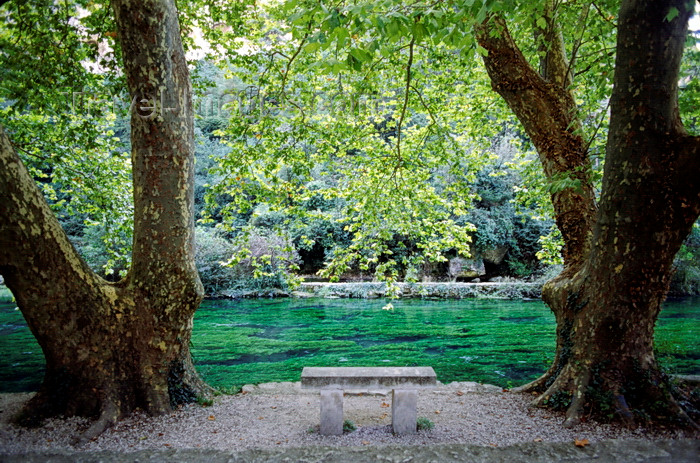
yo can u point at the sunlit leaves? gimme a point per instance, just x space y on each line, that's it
83 171
46 47
689 91
58 66
322 117
552 245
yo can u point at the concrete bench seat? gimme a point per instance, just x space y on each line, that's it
404 383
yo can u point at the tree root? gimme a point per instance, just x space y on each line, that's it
538 385
34 412
581 380
195 382
545 381
683 417
575 384
560 384
109 415
624 411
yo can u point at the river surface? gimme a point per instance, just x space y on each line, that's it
236 342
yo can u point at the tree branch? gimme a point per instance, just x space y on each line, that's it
555 65
291 60
548 113
34 249
407 93
46 158
162 141
583 17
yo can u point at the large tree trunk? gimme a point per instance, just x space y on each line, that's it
546 108
650 199
110 348
649 202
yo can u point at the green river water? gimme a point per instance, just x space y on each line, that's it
236 342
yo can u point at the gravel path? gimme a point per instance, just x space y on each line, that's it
281 415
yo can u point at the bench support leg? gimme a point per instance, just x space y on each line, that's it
403 411
331 412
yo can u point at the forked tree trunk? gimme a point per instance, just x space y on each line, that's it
545 106
110 348
650 199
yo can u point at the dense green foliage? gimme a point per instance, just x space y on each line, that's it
354 139
252 341
686 280
62 103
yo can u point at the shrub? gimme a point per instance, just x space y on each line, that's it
423 423
349 426
211 251
5 293
108 253
264 260
686 280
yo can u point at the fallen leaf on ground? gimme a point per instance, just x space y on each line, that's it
385 405
211 418
581 442
460 393
437 412
538 440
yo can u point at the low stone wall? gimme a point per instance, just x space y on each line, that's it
505 290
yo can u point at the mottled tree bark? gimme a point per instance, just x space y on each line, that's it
546 108
110 348
610 295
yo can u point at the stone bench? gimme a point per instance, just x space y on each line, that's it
402 381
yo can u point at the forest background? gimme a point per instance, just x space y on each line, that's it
299 163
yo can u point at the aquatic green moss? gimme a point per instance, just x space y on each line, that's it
236 342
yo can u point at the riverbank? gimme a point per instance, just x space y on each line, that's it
279 422
376 290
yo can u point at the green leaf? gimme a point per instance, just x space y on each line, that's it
541 23
672 14
312 47
419 31
360 55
